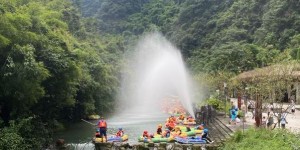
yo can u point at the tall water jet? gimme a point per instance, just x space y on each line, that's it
156 71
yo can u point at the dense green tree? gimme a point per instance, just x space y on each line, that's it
49 61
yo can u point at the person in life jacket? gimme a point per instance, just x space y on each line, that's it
97 134
159 129
181 117
120 133
177 131
145 134
173 118
166 133
171 125
205 137
102 125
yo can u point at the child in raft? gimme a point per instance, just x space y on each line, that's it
159 129
97 134
205 137
147 135
170 125
181 117
166 133
177 132
172 118
120 133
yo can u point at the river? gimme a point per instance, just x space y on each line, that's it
79 135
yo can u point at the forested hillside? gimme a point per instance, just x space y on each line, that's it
60 59
213 35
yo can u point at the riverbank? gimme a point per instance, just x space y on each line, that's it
158 146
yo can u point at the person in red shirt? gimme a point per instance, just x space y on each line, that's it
102 125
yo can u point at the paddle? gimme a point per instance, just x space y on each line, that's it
109 134
88 122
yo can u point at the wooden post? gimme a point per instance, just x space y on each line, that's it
258 113
297 93
289 92
239 102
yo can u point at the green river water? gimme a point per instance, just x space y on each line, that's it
80 135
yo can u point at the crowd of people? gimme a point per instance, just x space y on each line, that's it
172 105
272 116
175 127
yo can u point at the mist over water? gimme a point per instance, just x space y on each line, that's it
156 71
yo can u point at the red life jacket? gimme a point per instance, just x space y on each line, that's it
120 133
97 134
102 124
145 135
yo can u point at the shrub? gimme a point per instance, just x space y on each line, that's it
29 133
10 139
216 103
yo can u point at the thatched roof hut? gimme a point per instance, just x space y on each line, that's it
278 71
286 73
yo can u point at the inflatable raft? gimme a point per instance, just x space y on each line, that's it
117 138
184 128
112 139
98 140
193 132
190 140
156 139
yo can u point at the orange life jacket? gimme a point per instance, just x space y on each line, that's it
181 117
102 124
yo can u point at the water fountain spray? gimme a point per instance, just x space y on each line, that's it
156 71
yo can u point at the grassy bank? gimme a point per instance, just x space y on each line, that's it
263 139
